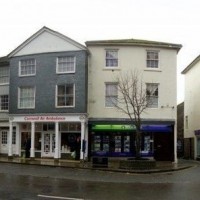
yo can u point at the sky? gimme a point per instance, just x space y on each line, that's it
173 21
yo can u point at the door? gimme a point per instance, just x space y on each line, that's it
198 147
4 141
48 147
163 147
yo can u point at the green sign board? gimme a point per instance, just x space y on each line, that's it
111 127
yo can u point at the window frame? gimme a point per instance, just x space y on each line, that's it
19 97
56 96
154 96
115 84
65 72
20 67
112 59
7 76
2 110
152 60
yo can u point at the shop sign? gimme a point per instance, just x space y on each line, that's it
44 118
116 127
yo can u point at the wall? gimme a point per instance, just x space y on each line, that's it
46 80
129 59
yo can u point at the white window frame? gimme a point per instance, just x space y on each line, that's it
152 95
110 96
112 59
19 97
3 110
70 106
58 71
4 76
28 65
152 59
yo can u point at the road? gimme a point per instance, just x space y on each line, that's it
25 182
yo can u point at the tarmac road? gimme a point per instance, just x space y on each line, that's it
38 182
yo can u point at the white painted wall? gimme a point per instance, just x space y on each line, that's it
192 102
130 58
47 42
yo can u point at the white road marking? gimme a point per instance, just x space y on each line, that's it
56 197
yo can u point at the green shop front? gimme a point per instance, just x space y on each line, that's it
118 140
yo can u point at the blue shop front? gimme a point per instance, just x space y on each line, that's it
118 140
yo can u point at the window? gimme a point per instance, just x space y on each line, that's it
111 94
27 67
4 75
152 95
152 59
111 58
26 97
4 102
4 137
66 64
65 95
186 122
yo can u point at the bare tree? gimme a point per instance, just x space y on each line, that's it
132 100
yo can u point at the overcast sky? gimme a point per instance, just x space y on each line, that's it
173 21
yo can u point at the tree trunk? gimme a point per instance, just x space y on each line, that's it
138 143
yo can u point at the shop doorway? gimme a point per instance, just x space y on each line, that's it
48 144
163 147
4 141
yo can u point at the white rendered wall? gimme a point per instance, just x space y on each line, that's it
46 42
130 58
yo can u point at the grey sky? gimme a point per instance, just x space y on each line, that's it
174 21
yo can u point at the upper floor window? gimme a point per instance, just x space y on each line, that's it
66 64
111 58
26 97
4 102
65 95
4 75
111 94
27 67
152 95
152 59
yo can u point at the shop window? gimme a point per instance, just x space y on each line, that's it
147 144
14 137
24 136
49 127
38 141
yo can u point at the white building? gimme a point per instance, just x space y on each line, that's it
110 132
192 109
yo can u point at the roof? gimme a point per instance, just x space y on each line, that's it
43 29
4 61
134 42
194 62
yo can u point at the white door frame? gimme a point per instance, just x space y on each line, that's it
49 150
4 146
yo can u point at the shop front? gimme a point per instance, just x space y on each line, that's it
50 136
118 140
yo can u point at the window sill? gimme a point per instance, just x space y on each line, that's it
153 70
111 69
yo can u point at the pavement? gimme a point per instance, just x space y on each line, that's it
113 164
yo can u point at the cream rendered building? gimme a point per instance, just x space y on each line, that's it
192 109
110 131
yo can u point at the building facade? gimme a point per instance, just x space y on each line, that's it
110 131
192 110
48 96
4 104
